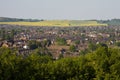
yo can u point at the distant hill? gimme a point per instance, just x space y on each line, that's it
62 23
6 19
57 23
115 22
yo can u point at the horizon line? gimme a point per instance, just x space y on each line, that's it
54 19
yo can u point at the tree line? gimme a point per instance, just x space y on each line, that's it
101 64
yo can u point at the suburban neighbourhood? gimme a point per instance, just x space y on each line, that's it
58 41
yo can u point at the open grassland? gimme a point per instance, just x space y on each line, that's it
59 23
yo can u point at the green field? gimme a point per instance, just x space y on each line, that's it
59 23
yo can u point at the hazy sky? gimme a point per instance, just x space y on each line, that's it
60 9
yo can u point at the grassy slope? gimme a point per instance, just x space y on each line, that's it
64 23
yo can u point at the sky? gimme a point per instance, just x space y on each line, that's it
60 9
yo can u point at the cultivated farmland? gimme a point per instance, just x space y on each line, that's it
58 23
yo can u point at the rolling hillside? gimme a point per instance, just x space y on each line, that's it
59 23
6 19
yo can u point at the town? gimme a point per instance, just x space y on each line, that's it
57 41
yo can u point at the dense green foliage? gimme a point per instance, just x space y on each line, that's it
102 64
7 35
34 44
61 41
118 44
111 22
72 48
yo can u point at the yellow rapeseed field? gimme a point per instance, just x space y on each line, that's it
59 23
